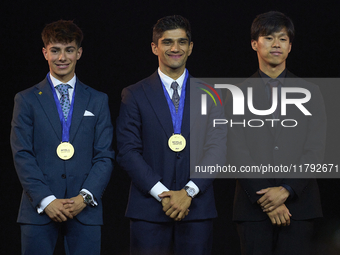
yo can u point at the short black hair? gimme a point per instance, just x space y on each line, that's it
271 22
170 23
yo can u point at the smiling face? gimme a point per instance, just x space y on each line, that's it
62 59
173 49
272 51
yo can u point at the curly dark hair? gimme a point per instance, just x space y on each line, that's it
62 31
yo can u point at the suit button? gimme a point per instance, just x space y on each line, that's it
276 148
174 181
178 155
63 176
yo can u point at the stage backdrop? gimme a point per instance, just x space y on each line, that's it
117 53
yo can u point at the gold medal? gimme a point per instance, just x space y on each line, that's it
65 150
177 142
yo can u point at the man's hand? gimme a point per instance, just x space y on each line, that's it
273 197
280 216
178 206
56 210
165 201
77 206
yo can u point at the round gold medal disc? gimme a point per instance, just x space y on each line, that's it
65 150
177 142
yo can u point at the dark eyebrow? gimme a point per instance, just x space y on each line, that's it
280 34
57 48
167 40
170 39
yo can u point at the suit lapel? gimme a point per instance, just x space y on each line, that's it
81 99
155 95
186 112
46 99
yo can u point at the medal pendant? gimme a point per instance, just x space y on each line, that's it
177 142
65 150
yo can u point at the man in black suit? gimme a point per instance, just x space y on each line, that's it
275 215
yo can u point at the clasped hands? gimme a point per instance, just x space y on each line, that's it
176 204
60 210
272 203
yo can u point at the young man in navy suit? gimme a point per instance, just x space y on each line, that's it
275 215
169 212
61 142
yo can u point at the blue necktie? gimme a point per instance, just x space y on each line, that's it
64 99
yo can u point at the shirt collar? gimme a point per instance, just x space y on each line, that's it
167 81
71 82
280 78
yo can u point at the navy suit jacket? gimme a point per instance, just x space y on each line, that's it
36 133
265 145
144 126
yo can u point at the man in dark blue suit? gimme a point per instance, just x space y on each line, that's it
61 142
169 212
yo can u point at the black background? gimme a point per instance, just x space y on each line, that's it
117 53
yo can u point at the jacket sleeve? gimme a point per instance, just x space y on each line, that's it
30 175
130 144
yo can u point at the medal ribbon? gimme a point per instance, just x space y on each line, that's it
177 117
65 124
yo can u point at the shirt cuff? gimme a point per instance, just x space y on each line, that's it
45 202
290 190
93 199
158 189
191 184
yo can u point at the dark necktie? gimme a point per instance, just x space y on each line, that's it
64 99
175 96
275 84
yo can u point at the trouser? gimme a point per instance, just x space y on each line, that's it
78 238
